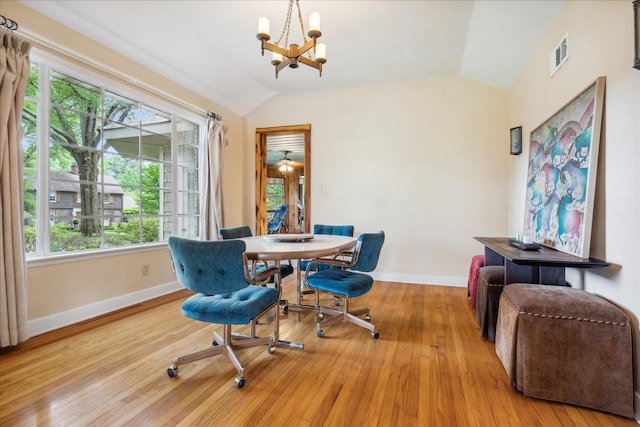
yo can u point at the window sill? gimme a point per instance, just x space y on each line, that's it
64 258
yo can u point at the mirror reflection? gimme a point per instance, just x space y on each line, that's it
285 184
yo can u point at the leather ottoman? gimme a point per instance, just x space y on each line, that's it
566 345
490 286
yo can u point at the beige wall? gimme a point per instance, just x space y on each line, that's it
600 44
425 161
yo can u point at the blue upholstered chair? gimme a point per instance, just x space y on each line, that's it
279 220
225 294
235 232
241 231
336 230
347 279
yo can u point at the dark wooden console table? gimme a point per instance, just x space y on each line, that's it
543 266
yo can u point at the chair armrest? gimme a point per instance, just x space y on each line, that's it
263 277
332 262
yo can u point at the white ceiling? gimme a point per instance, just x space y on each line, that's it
211 47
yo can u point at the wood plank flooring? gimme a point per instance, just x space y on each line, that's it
429 368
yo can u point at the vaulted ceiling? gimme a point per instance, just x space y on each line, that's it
211 47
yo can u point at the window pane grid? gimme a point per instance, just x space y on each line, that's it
109 166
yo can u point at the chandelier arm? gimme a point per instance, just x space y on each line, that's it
275 48
281 65
307 46
310 62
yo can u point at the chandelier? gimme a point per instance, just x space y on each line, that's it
281 57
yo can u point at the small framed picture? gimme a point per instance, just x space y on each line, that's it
516 140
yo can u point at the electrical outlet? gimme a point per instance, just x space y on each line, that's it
145 270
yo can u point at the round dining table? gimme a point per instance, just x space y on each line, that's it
279 247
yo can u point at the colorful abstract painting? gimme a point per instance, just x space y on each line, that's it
563 159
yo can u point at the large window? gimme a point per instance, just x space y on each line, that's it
103 169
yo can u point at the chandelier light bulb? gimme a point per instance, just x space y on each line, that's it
314 25
314 21
263 28
321 53
276 58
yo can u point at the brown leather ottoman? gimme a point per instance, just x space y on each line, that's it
490 285
566 345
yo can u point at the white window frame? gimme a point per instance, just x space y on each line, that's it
47 61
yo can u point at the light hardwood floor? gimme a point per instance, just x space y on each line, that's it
429 368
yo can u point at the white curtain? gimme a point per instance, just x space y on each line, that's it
211 199
14 74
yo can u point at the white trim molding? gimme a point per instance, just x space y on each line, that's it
59 320
421 279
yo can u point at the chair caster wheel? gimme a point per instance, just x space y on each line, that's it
270 349
320 333
320 316
337 302
375 335
285 308
172 372
214 343
367 318
240 382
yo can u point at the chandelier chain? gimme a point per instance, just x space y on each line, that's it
304 33
287 25
285 28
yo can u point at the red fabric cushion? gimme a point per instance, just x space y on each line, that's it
472 285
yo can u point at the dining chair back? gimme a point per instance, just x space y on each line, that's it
347 279
241 231
335 230
225 294
235 232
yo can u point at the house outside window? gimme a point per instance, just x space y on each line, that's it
119 171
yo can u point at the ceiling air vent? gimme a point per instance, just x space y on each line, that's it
559 55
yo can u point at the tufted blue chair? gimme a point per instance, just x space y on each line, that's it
336 230
347 279
216 272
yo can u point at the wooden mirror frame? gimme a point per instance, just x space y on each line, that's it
261 173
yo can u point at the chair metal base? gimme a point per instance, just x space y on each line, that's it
231 342
345 315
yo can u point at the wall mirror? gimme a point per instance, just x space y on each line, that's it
283 176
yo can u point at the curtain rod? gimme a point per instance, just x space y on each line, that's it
8 23
214 116
41 41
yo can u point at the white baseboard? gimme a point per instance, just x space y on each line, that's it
421 279
55 321
637 406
